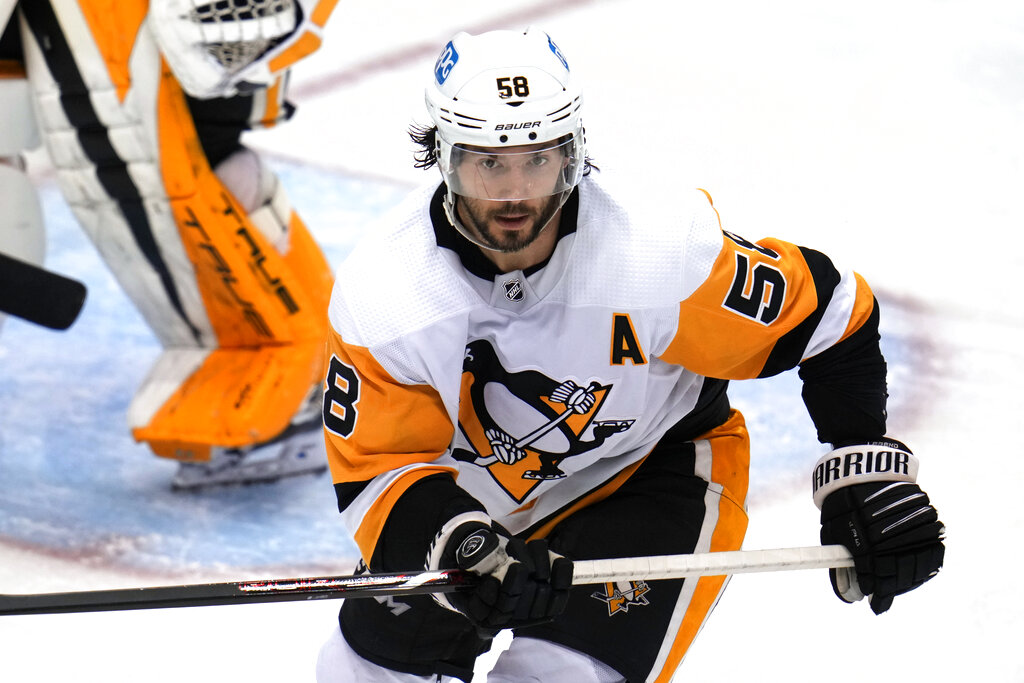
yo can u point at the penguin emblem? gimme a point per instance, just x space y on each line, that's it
543 420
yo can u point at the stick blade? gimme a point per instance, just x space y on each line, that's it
39 295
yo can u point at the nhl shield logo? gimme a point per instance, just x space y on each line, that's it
513 289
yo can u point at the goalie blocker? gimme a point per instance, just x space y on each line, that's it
870 503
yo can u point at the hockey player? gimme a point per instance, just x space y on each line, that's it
527 370
142 109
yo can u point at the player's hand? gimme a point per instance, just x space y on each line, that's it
890 527
523 583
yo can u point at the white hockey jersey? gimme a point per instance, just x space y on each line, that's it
532 389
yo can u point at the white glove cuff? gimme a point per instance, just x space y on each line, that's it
861 464
440 541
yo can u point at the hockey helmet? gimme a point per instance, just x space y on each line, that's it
505 102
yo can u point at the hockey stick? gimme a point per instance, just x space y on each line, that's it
38 295
416 583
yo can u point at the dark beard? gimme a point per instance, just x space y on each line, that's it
503 241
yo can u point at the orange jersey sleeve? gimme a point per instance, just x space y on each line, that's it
382 436
764 308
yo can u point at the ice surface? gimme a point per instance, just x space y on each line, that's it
889 135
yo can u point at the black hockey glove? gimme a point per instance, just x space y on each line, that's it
523 583
870 504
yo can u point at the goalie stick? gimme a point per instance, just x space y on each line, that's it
38 295
414 583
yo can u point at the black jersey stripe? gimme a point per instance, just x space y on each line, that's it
111 170
788 350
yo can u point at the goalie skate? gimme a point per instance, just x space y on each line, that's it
299 449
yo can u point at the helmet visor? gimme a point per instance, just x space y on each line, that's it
512 173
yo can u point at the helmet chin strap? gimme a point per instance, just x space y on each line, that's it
452 214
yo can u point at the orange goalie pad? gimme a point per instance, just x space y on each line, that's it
267 308
237 397
253 294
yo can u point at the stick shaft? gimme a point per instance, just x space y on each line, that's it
39 295
710 564
417 583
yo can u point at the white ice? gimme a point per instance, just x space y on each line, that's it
889 135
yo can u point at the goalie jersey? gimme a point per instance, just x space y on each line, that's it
524 393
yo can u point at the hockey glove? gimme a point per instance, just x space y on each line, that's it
523 583
870 504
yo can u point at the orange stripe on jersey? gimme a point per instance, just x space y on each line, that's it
307 44
382 425
862 307
729 325
372 524
322 11
115 25
391 425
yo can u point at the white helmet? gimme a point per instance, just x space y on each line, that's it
505 89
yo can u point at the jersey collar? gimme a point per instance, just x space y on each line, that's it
472 258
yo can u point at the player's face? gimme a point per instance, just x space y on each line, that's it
507 196
507 226
510 173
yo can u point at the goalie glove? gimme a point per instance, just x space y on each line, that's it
523 583
870 504
220 49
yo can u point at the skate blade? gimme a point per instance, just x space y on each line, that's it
258 473
250 469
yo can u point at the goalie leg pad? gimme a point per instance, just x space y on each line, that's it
233 398
19 132
254 295
299 449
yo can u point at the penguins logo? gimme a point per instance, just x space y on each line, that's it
622 595
521 425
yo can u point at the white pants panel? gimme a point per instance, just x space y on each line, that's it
530 660
339 663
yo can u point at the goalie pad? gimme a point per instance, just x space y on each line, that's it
19 132
6 11
218 49
195 400
224 272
